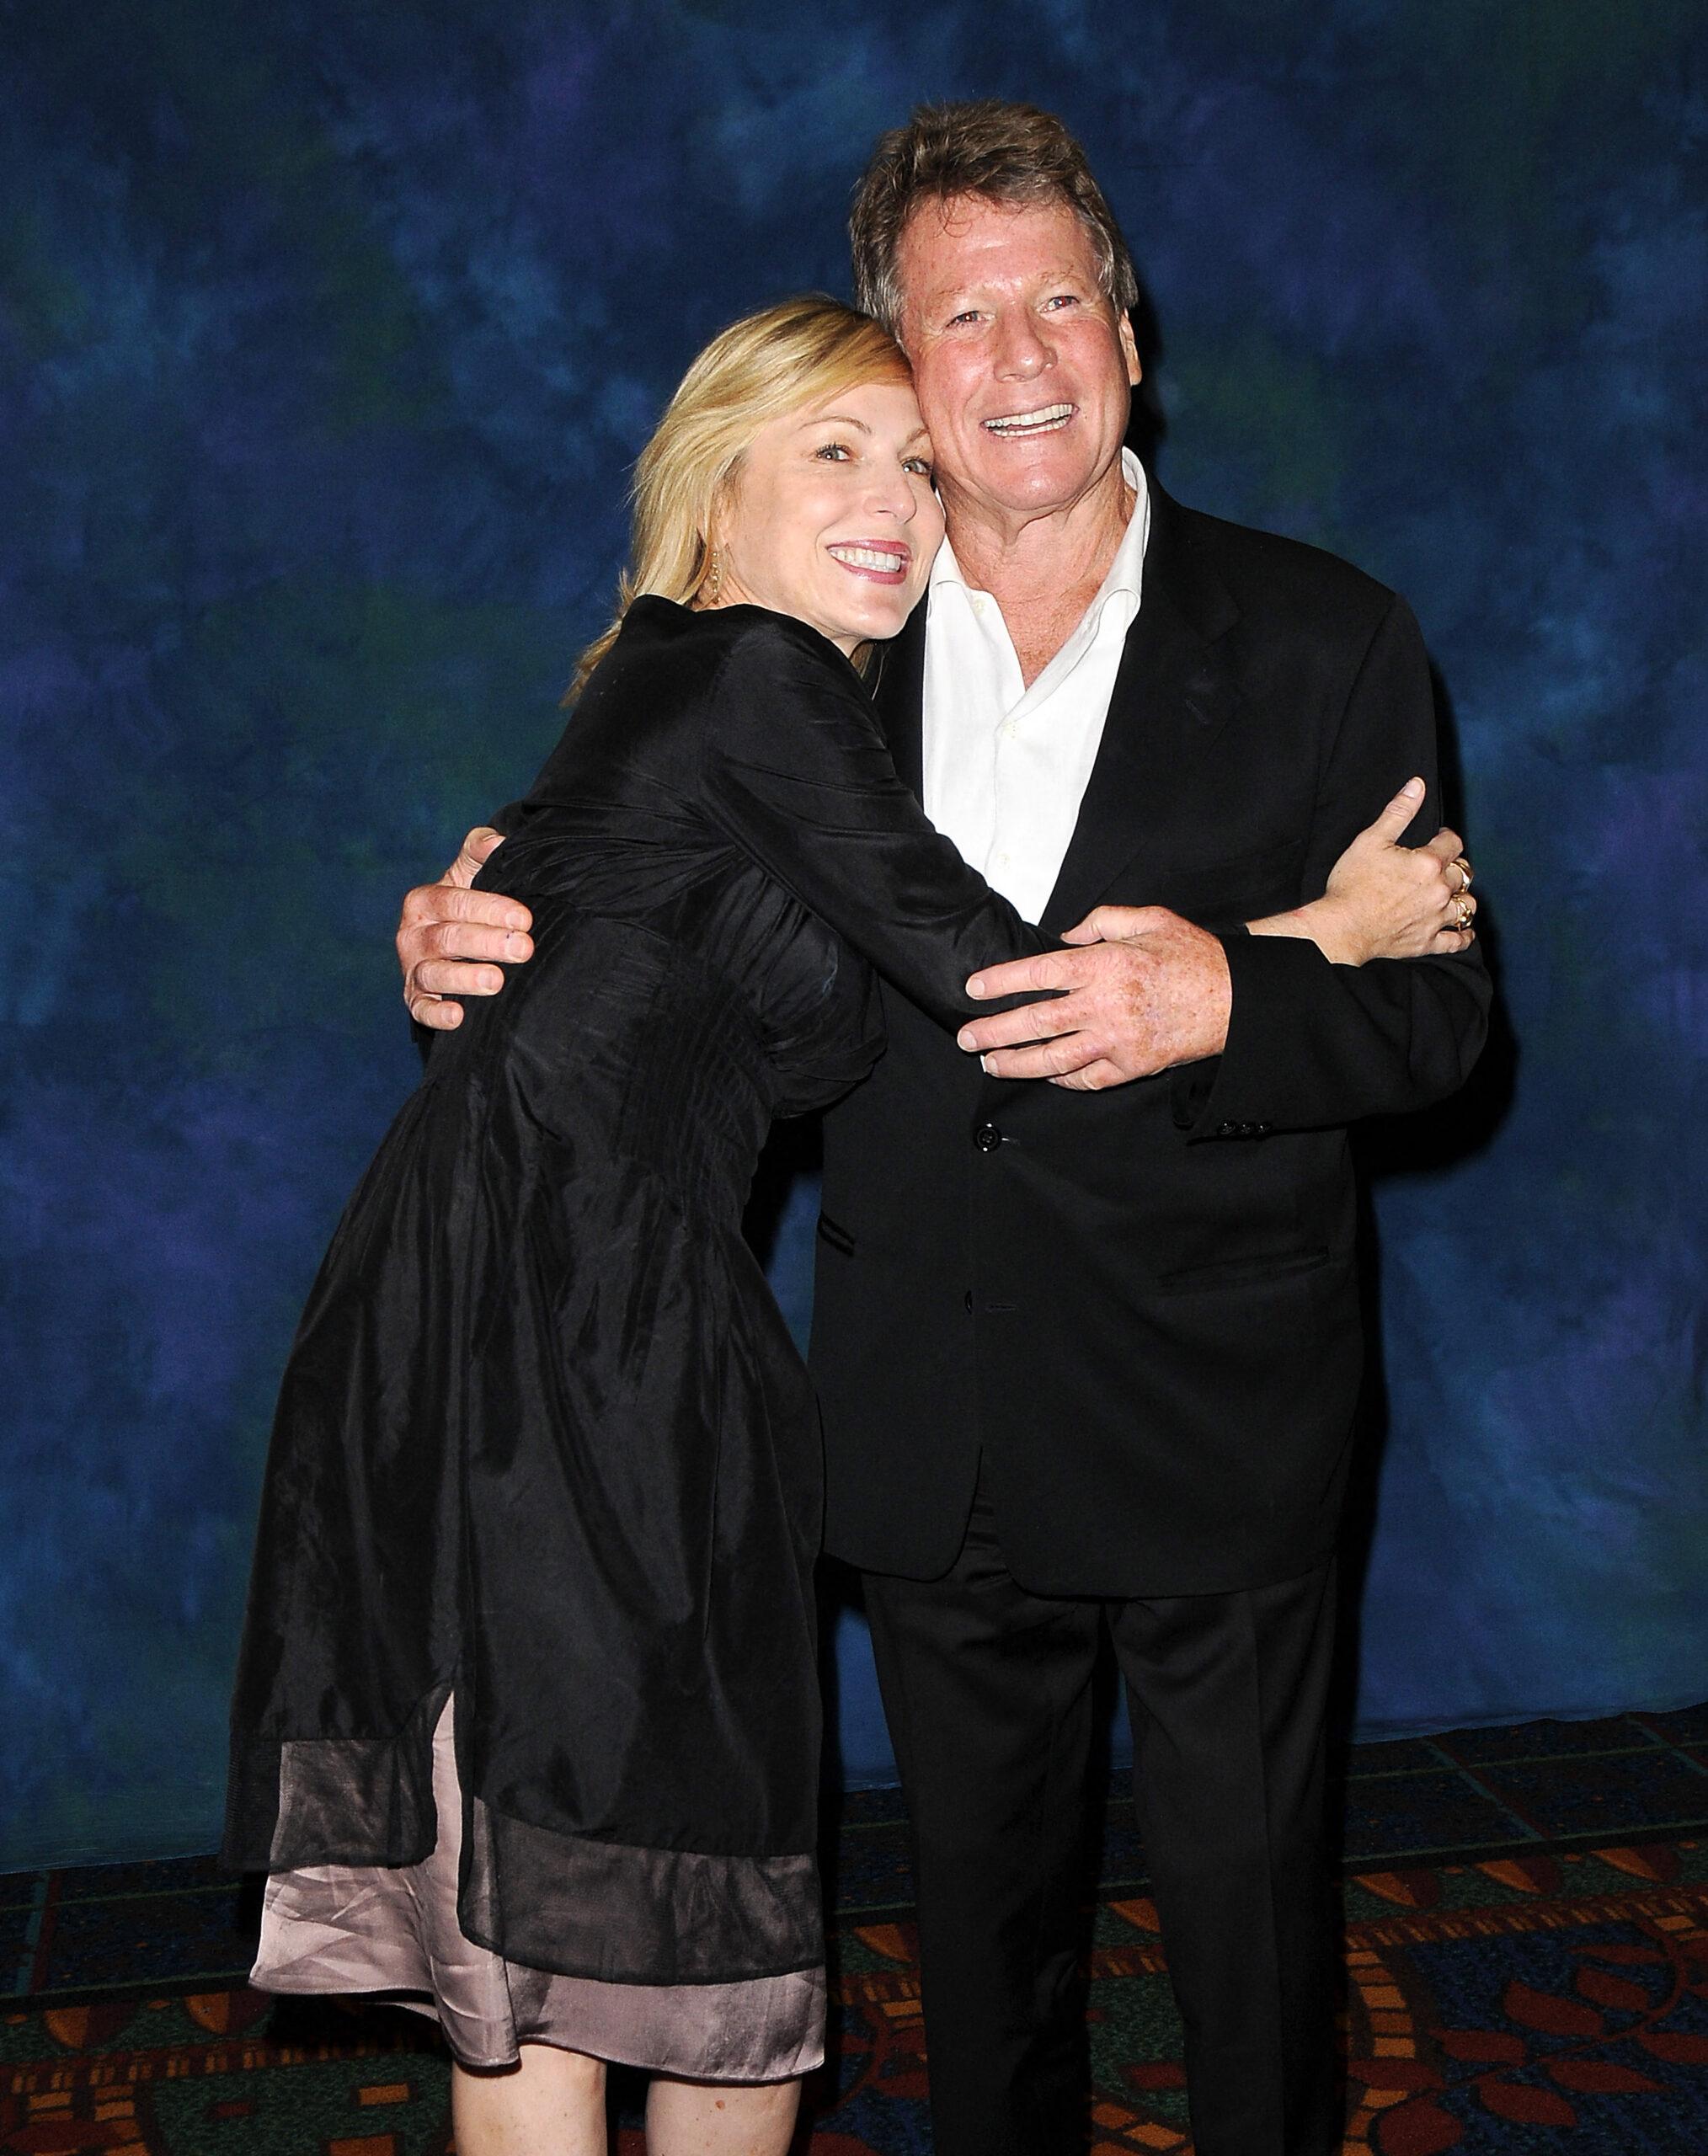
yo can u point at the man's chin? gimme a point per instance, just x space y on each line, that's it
1032 479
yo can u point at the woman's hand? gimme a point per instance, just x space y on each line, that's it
1385 900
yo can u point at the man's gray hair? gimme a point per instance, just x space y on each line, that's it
1003 152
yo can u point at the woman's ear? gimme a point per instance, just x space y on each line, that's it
711 589
714 541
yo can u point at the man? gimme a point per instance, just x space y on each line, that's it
1091 1364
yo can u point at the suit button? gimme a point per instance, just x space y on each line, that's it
987 1138
1227 1130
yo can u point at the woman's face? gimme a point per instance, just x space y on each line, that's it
832 517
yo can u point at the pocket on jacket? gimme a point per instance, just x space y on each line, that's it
838 1237
1241 1271
1267 873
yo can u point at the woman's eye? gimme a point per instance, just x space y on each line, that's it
834 452
922 466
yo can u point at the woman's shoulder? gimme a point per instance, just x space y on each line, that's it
717 638
676 683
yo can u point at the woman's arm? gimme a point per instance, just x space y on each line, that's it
1385 900
797 773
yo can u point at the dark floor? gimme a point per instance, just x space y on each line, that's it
1476 1794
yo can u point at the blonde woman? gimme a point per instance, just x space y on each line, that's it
546 1472
526 1722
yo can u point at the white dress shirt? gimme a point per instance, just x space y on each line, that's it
1006 767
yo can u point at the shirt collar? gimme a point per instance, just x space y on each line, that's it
1126 572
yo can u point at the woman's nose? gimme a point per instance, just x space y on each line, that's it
894 495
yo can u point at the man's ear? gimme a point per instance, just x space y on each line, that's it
1129 347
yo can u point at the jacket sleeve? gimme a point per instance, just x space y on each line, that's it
1309 1043
797 773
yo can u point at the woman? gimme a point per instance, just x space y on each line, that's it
526 1721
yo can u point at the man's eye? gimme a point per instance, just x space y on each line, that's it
966 314
834 452
1064 299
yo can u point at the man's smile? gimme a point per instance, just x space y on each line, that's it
1046 419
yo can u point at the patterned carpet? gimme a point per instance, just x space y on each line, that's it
1527 1957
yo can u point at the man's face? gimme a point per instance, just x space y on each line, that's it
1024 368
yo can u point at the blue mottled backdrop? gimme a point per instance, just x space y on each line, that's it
328 332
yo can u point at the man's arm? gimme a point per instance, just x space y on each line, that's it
1282 1036
454 941
1139 1014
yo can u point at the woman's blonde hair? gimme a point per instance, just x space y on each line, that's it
803 351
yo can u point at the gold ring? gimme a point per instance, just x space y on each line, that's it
1464 908
1463 866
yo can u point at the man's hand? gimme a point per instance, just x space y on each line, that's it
1151 990
452 940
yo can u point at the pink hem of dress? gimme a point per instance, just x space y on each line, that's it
394 1932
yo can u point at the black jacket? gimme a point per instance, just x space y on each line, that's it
1140 1306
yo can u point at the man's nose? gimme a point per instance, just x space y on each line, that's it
1022 350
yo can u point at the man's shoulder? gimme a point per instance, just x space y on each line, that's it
1289 581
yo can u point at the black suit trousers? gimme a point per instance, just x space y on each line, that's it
988 1696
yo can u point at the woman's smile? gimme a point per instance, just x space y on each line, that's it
884 561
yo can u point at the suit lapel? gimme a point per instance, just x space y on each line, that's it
898 695
1173 695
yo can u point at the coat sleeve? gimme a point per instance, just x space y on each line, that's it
1312 1044
797 773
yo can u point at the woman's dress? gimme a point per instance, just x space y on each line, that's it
544 1446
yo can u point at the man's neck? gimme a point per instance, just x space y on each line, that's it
1043 571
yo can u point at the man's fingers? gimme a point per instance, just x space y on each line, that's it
447 930
1021 976
428 1011
470 939
475 851
1043 1059
1031 1021
436 902
454 977
1113 924
1094 1078
1445 845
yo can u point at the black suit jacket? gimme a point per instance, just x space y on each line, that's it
1140 1306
